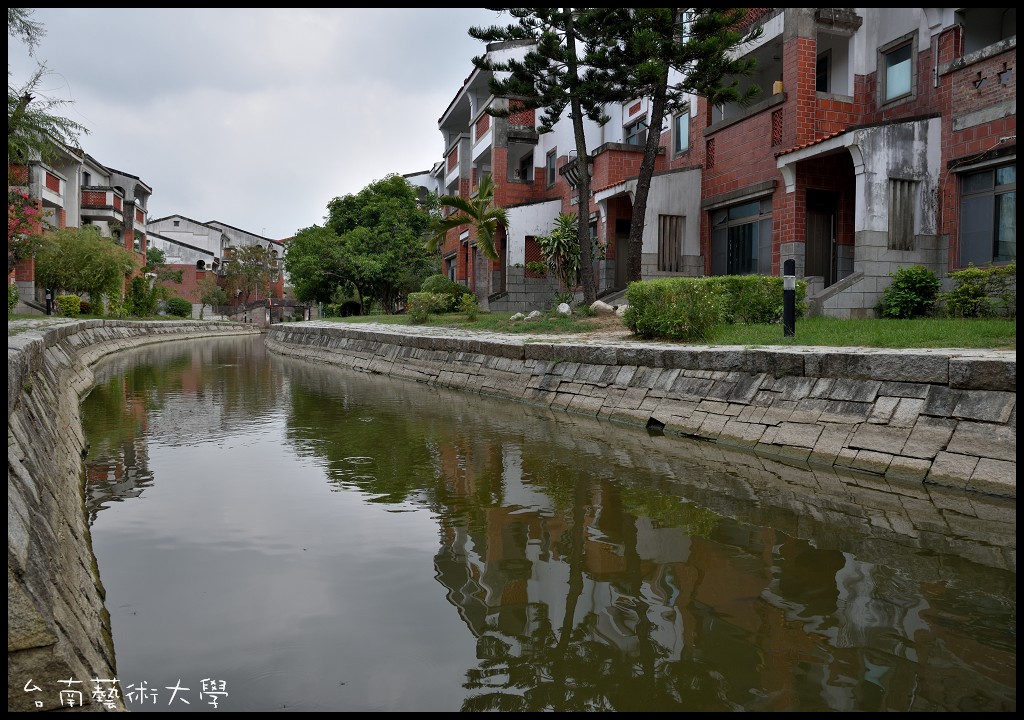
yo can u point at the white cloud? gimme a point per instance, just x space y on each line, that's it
256 117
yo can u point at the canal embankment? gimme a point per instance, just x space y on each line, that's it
57 626
905 417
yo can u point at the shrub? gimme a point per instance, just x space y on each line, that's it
983 292
85 308
69 305
179 307
12 298
468 304
912 293
442 285
686 309
757 299
141 300
421 304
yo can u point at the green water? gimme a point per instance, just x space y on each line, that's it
309 539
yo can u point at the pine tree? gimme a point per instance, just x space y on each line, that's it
553 76
633 53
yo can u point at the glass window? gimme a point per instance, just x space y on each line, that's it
551 167
681 131
741 239
988 216
898 75
634 133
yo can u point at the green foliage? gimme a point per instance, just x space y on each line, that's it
85 308
469 305
371 246
685 309
249 271
34 126
116 309
179 307
695 309
80 260
758 298
561 250
478 211
69 305
12 298
983 292
23 230
912 293
441 284
209 292
141 299
421 304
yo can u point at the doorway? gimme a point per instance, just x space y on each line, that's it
820 222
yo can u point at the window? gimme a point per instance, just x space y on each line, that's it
551 167
821 72
635 134
897 69
681 131
526 168
741 239
988 216
670 243
86 178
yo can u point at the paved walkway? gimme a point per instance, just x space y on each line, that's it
624 339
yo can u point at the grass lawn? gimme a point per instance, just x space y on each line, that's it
820 331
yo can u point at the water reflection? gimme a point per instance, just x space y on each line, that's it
380 545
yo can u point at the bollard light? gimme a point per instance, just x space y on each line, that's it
789 298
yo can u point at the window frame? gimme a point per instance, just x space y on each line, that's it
681 136
729 218
820 73
995 192
887 51
635 131
551 167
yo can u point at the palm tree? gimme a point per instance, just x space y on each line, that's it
478 211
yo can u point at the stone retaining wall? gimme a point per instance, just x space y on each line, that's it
945 417
57 626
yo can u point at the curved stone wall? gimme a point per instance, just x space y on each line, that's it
57 626
945 417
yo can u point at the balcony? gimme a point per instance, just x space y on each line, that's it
104 205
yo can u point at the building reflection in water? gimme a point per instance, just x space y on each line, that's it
603 568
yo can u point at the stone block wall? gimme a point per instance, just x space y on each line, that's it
943 417
57 626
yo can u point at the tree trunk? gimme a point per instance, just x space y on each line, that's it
582 156
635 243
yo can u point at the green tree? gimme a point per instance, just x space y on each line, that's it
82 261
35 128
635 51
249 271
378 252
209 292
315 264
479 211
551 77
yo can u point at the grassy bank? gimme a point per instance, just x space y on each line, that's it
818 331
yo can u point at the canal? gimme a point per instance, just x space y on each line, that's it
274 534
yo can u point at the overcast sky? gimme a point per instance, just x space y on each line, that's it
256 117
